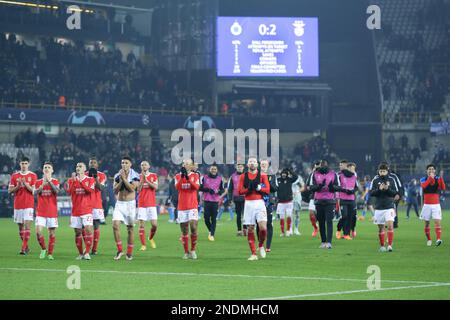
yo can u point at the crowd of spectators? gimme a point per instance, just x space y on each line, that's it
428 96
271 104
68 74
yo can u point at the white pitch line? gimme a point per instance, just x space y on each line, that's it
309 295
220 275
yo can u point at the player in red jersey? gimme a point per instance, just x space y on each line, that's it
432 185
187 182
46 189
22 186
254 185
126 182
147 187
80 187
97 211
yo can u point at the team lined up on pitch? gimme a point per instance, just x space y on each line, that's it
256 193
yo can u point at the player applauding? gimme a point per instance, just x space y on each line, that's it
187 183
147 187
254 185
432 185
80 188
126 182
47 189
383 188
22 186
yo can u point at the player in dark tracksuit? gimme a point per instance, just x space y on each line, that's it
400 193
270 202
239 200
285 199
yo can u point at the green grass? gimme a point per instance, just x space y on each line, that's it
295 267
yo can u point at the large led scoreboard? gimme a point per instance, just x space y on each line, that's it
267 47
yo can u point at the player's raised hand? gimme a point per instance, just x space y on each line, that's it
74 175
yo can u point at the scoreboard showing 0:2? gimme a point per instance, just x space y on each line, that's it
267 30
267 47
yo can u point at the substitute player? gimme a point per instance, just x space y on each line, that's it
97 211
254 185
147 187
297 189
432 185
270 201
285 197
126 182
46 189
308 196
80 187
383 188
233 189
187 183
22 186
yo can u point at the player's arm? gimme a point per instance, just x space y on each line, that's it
222 190
100 185
242 190
393 189
12 188
130 186
90 187
202 185
154 185
274 185
55 187
195 182
230 187
374 191
30 186
117 185
69 185
266 188
426 182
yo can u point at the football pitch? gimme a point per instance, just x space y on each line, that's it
295 269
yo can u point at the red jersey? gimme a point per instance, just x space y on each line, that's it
46 203
147 196
97 194
187 191
80 191
23 198
431 188
254 195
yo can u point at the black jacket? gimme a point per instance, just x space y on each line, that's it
384 198
284 193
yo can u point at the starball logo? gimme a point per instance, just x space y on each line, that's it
228 147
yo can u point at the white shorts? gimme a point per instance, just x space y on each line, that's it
82 221
383 216
431 211
98 214
311 206
254 210
187 215
46 222
147 214
21 215
125 211
285 209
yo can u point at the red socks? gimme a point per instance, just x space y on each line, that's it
21 234
437 229
193 241
262 237
26 237
427 233
152 232
185 241
282 225
51 244
390 237
251 241
119 246
142 235
96 239
288 224
41 241
88 242
381 237
130 249
79 243
312 218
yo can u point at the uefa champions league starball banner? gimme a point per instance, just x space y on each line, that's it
111 119
267 47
